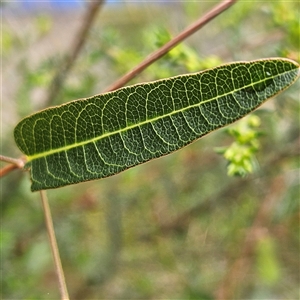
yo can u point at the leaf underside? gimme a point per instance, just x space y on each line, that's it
105 134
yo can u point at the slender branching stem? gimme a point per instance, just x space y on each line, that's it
54 247
14 163
19 163
154 56
7 169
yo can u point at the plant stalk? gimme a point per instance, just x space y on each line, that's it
80 39
19 163
214 12
54 248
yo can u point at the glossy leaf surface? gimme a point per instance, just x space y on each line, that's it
105 134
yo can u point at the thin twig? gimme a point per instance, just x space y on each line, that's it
14 163
19 163
214 12
54 247
7 169
79 40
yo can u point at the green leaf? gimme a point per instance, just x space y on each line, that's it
105 134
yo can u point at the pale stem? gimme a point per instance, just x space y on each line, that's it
15 161
54 247
214 12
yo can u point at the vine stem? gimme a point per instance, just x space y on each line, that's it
214 12
54 248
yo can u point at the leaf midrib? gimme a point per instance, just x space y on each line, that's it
93 140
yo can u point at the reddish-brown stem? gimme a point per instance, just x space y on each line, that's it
7 169
14 163
154 56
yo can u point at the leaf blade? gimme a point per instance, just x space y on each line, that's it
103 135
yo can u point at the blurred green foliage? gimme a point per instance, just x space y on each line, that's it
241 153
172 228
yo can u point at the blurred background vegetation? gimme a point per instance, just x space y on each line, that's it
178 227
